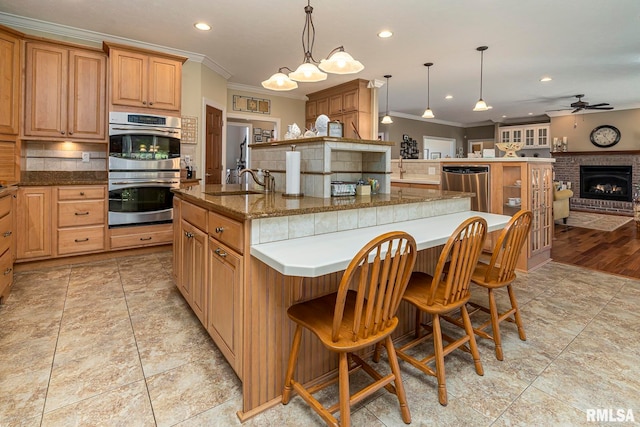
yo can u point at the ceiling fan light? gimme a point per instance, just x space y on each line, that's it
308 73
386 120
279 81
428 114
341 63
480 105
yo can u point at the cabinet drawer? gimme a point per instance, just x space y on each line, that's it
227 231
6 233
5 206
81 239
194 215
142 239
81 193
6 273
78 213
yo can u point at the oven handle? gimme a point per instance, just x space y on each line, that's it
144 182
140 129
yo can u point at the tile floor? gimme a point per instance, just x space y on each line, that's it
113 343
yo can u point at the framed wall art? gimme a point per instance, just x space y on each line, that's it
436 155
251 105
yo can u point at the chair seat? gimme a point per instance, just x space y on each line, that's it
480 277
317 316
417 295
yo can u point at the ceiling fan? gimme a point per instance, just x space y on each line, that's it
580 105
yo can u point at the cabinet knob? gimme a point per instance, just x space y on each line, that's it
82 193
219 229
7 271
144 102
150 103
6 234
220 252
188 234
70 133
62 132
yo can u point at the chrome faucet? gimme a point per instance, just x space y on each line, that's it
269 182
402 171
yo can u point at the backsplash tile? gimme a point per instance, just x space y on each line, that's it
63 156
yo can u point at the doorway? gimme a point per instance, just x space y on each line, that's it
213 146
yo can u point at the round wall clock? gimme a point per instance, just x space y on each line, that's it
605 136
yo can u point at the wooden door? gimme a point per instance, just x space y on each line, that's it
87 95
213 143
128 78
46 90
9 83
165 83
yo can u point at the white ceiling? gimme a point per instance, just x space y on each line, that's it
589 47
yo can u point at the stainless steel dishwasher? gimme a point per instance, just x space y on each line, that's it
470 179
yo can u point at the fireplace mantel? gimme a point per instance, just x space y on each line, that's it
594 153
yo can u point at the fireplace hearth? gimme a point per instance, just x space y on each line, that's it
606 182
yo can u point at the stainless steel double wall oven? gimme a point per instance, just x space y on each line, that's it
144 165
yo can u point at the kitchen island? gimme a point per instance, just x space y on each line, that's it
241 258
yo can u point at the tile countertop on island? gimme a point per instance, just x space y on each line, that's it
257 204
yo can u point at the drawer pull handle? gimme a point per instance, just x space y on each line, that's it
146 238
219 229
86 239
188 234
7 271
219 252
82 213
6 234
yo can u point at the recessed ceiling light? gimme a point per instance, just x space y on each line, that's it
489 107
504 117
202 26
448 97
546 79
385 34
531 114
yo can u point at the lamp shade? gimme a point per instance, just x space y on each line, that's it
341 63
307 72
480 105
279 81
386 120
428 114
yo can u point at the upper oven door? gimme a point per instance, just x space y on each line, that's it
143 151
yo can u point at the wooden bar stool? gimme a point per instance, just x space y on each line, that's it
360 314
447 290
500 273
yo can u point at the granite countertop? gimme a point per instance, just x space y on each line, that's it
265 205
44 178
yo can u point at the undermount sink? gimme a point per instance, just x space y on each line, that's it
232 192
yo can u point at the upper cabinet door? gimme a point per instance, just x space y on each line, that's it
46 90
87 95
165 83
9 84
128 78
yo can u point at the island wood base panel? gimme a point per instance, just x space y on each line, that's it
268 332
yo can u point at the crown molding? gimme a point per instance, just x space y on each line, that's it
422 119
256 89
24 23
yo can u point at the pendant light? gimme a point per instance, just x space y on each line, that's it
481 105
386 120
428 114
280 81
340 62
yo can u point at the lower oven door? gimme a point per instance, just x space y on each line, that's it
140 203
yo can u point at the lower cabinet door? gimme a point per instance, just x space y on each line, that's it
225 279
193 269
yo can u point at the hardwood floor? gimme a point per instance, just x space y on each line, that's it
616 252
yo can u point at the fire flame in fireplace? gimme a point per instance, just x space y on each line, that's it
607 188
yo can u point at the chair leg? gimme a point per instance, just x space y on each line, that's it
516 314
439 353
293 360
417 331
472 340
343 379
495 325
376 353
395 368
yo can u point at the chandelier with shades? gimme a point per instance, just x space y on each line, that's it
337 62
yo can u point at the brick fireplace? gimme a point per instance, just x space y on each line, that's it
567 168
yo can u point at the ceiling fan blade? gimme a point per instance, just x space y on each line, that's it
600 108
576 110
561 109
602 104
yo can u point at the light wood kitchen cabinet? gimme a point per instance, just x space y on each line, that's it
34 222
65 93
7 242
145 79
348 103
193 258
10 54
533 136
9 159
140 236
81 219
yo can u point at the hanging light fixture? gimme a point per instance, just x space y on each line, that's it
428 114
387 119
481 105
337 62
280 81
